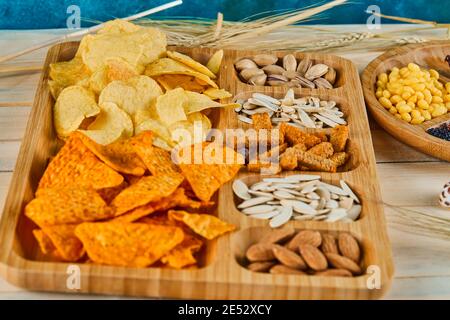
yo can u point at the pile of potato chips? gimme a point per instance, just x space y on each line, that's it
127 203
123 81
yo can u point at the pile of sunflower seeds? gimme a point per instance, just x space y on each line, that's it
297 197
267 69
304 112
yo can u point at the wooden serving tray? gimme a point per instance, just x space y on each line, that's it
429 55
220 275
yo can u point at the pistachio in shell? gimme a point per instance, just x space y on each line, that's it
264 59
245 64
330 76
246 74
289 62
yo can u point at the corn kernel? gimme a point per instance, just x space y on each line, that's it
381 84
438 84
379 93
437 99
404 72
385 102
404 108
439 111
406 95
447 87
426 114
411 104
387 94
406 116
434 73
436 92
395 70
418 86
393 110
447 105
416 114
383 77
417 120
396 99
398 116
423 104
413 67
412 99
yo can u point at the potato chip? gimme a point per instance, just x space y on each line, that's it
76 165
120 155
68 73
110 125
67 206
135 96
198 102
184 59
73 105
45 243
118 26
158 129
114 69
205 225
215 61
217 94
170 66
194 130
182 255
128 244
137 47
64 239
147 189
170 106
157 160
55 88
172 81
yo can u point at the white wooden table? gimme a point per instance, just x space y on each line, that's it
408 179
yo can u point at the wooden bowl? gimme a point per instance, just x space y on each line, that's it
429 55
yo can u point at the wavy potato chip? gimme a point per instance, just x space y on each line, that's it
172 81
215 62
114 69
120 155
75 165
205 225
135 96
63 238
118 26
110 125
217 94
169 66
138 47
70 205
158 129
170 106
128 244
184 59
198 102
73 105
147 189
68 73
194 130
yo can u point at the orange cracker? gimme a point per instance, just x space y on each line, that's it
261 121
63 238
67 206
128 244
338 137
288 160
314 162
294 135
323 149
76 165
205 225
119 155
147 189
339 158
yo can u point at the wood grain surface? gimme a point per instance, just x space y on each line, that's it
421 263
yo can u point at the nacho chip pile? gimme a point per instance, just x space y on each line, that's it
123 81
126 204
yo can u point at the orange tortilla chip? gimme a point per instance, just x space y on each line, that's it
128 244
157 160
206 225
63 238
147 189
45 243
76 165
172 81
183 254
69 205
108 194
119 155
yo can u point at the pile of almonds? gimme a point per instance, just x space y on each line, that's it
307 252
262 69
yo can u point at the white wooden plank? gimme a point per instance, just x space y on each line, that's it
8 155
421 288
13 121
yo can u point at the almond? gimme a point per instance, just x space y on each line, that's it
260 266
329 244
348 246
288 258
278 235
281 269
341 262
313 257
334 273
260 252
305 237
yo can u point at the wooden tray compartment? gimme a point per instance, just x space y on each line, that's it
429 55
221 277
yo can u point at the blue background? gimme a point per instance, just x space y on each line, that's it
32 14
